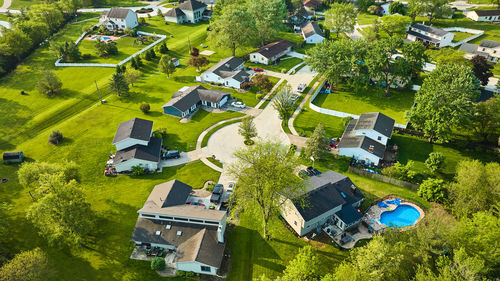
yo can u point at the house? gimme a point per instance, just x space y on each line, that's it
189 99
312 5
135 146
191 11
365 138
429 35
118 19
312 33
330 199
228 72
173 219
487 48
383 8
486 15
13 157
299 17
271 53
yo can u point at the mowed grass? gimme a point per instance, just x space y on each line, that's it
368 100
126 47
365 18
459 36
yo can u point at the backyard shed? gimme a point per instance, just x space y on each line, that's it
13 157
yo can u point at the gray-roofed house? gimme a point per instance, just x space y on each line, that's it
271 52
135 146
488 49
194 232
312 33
191 11
188 99
365 138
228 72
331 199
483 15
429 35
118 19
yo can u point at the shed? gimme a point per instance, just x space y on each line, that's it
13 157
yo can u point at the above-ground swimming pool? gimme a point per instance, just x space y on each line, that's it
403 215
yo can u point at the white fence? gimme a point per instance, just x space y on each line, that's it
476 33
160 36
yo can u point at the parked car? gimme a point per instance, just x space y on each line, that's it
294 98
258 69
301 87
238 104
217 194
231 186
224 206
170 154
312 171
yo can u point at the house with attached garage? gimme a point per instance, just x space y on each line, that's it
365 138
488 49
136 146
191 11
483 16
173 219
271 52
118 19
330 199
312 33
228 72
429 35
188 99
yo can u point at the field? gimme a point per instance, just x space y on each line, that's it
126 47
459 36
364 18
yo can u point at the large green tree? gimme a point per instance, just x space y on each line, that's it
35 174
247 129
416 57
317 144
341 18
266 178
166 65
305 266
118 84
15 43
436 9
486 120
283 103
268 17
49 84
393 25
30 265
445 101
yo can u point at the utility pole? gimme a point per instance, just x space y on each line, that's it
189 45
99 93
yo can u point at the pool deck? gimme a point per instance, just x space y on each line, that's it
374 212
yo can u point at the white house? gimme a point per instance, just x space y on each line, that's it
173 218
488 49
135 146
365 138
429 35
118 19
191 11
271 52
188 99
383 9
312 33
228 72
486 15
331 199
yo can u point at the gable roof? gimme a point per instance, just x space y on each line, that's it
116 13
375 121
312 28
468 48
483 13
151 152
348 214
430 29
137 128
312 3
192 5
489 44
184 100
170 193
272 49
174 12
365 143
228 64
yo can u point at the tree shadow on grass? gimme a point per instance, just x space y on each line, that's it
185 79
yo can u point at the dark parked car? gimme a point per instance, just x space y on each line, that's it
172 154
217 194
224 206
312 171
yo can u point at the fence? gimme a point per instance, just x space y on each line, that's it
161 38
476 33
383 178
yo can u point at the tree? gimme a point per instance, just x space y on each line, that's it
15 43
132 75
49 84
144 107
161 133
34 175
118 84
396 8
341 18
153 53
268 18
195 52
266 177
162 49
166 65
247 130
415 8
305 266
450 56
262 82
400 171
433 190
37 31
476 187
435 161
233 28
158 263
445 101
372 9
133 63
437 9
317 144
30 265
394 25
416 57
496 2
482 69
199 61
138 60
56 137
363 5
159 13
104 49
486 120
282 102
63 216
68 52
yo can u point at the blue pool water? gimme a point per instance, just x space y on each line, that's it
403 215
101 37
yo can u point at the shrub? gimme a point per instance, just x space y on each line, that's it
158 264
346 120
283 70
435 161
433 190
86 56
195 52
138 170
55 137
145 107
259 96
161 133
400 171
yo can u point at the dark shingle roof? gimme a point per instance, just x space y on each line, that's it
376 121
151 152
424 37
170 193
136 128
225 65
483 13
174 12
364 143
116 13
192 5
348 214
430 29
12 155
489 44
272 49
312 28
193 95
468 48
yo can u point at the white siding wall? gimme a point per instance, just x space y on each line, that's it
258 58
131 20
194 266
319 220
314 39
127 165
172 19
230 82
374 135
128 143
295 220
446 40
359 154
212 77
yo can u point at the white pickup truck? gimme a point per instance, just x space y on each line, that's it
301 87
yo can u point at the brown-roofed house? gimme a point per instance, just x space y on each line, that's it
271 52
312 33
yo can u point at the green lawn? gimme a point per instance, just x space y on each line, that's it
369 100
365 18
285 64
125 45
18 4
459 36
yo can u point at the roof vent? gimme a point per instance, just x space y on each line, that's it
168 226
343 195
371 148
158 232
179 233
267 48
227 65
353 188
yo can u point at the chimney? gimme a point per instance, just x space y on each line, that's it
371 148
227 65
220 234
353 188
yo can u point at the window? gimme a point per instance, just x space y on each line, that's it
168 218
379 138
180 219
198 221
205 268
212 222
148 216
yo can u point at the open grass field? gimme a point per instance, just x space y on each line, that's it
369 100
126 47
459 36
